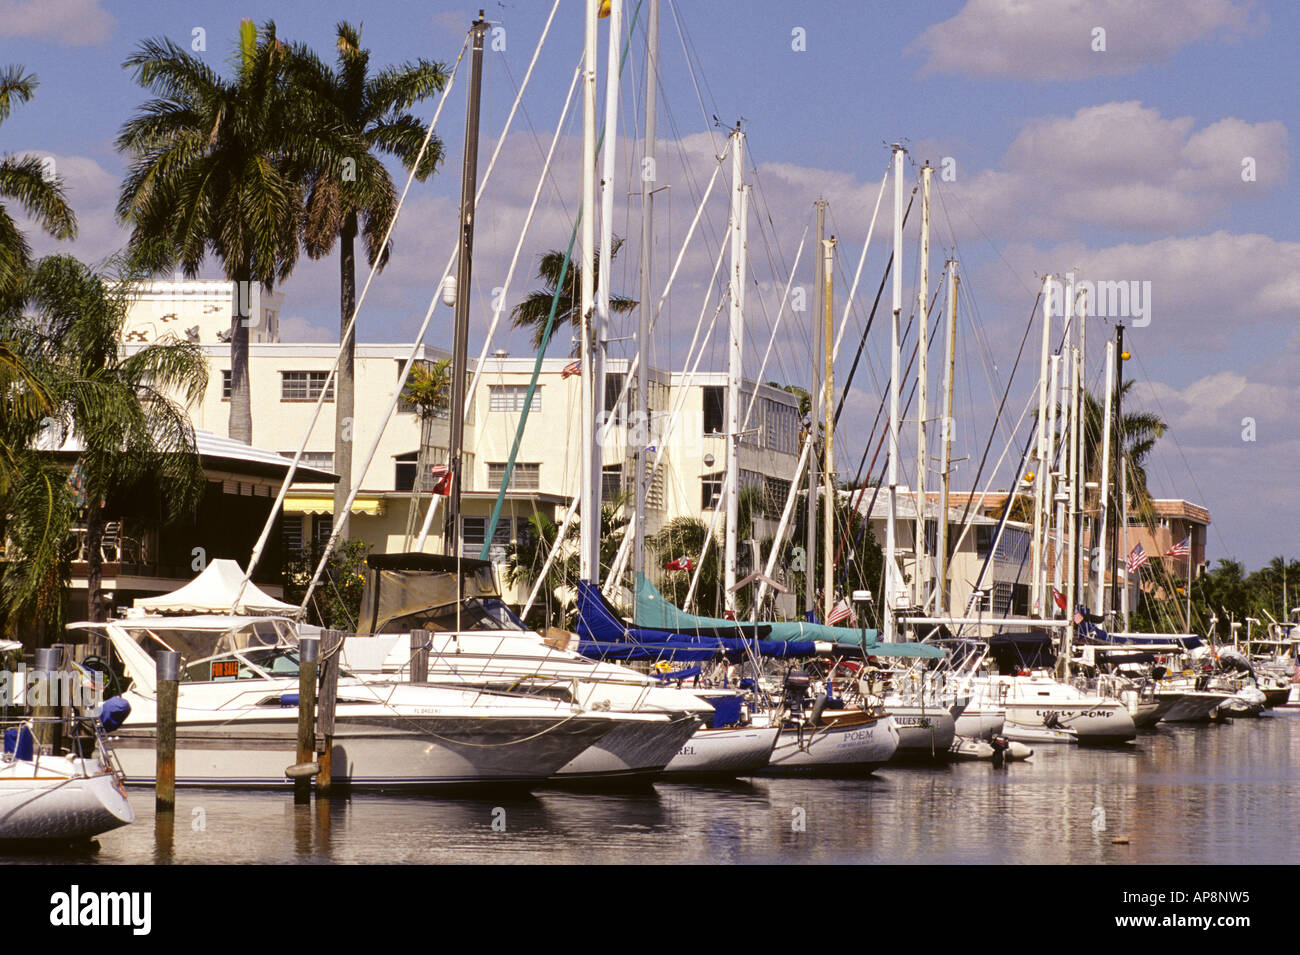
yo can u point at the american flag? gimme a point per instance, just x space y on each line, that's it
1182 549
1136 559
571 369
842 610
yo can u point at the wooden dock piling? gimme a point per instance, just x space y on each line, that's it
331 653
168 664
308 655
419 656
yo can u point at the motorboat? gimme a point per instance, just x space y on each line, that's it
237 715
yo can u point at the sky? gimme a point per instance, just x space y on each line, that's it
1139 142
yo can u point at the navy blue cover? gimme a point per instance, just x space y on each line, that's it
114 713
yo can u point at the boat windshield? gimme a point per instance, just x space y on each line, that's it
476 613
201 642
257 663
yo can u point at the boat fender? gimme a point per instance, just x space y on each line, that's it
114 713
819 706
302 770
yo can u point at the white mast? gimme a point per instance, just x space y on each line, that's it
1123 530
1040 460
950 348
1104 494
1053 509
645 435
828 467
736 334
814 386
591 524
589 549
891 541
919 569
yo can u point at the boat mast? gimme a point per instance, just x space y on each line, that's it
1121 467
1051 508
736 335
591 525
891 540
810 540
1103 508
589 547
464 273
949 367
1080 476
643 434
922 382
1040 459
828 466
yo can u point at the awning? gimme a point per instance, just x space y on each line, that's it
370 506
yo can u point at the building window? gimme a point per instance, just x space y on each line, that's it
291 536
321 528
321 460
614 388
304 385
775 492
710 490
715 403
472 531
405 469
511 398
780 426
225 385
611 482
524 477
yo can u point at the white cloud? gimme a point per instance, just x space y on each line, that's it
1054 39
296 328
1123 165
69 22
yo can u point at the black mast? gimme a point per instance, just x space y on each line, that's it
464 271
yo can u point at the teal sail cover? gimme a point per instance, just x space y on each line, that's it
656 612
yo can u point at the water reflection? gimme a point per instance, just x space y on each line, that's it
1181 794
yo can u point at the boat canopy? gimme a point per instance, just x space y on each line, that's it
653 610
1031 649
217 591
416 591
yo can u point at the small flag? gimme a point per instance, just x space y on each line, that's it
1059 598
441 475
842 610
571 369
1078 617
1182 549
1136 559
681 563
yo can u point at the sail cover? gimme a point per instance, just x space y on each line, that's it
653 610
603 634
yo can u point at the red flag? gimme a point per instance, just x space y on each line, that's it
1059 598
441 475
681 563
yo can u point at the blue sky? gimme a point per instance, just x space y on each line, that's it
1124 163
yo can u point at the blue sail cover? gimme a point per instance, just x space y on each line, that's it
603 634
1095 633
653 610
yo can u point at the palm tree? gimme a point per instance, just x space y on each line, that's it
685 535
373 111
135 437
218 167
23 179
534 310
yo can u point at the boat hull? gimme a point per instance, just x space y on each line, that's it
1085 722
49 803
924 732
1192 706
394 752
734 751
637 751
845 747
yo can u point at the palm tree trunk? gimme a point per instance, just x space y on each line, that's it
241 406
344 397
94 563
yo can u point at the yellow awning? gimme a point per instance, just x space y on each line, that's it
370 506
